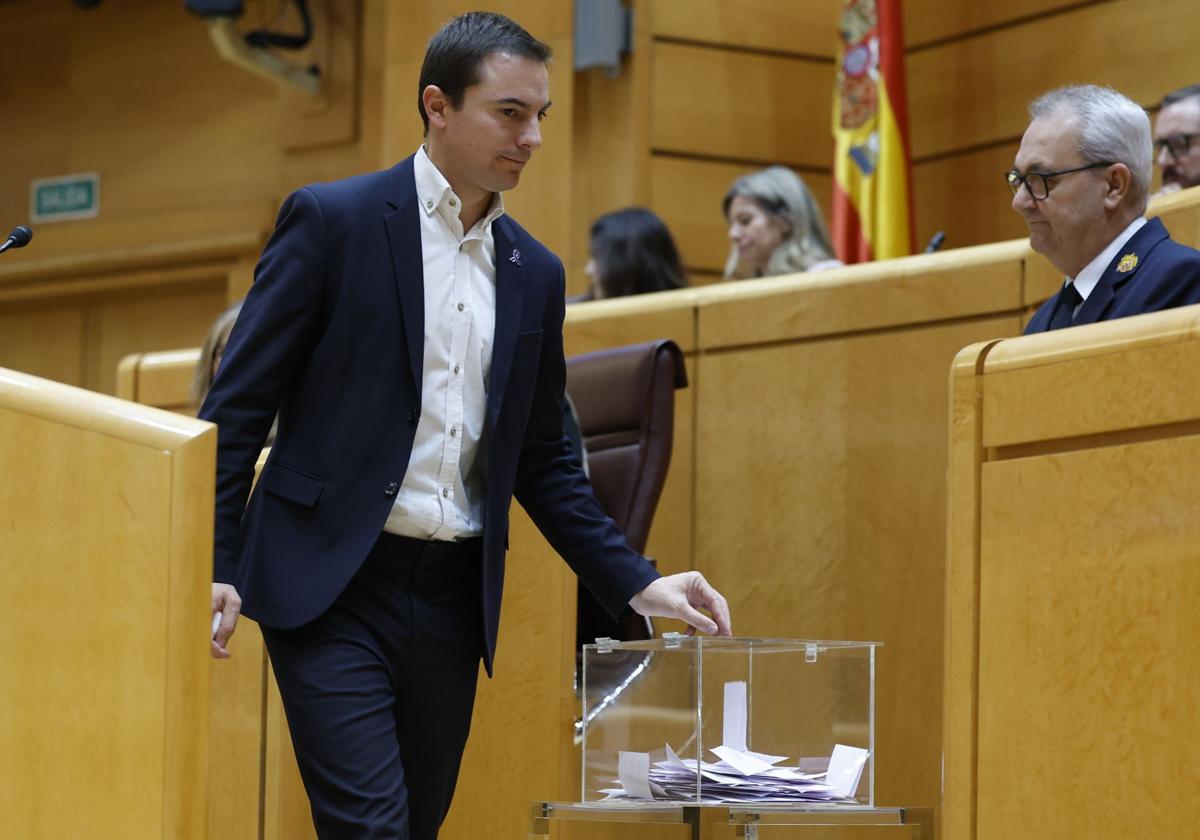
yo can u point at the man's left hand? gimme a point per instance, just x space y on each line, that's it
680 596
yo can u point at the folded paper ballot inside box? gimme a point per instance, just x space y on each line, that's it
737 777
732 720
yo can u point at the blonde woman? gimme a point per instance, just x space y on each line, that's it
775 226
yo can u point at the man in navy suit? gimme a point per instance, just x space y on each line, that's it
1081 181
409 335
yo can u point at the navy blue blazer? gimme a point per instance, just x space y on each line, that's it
1166 275
331 336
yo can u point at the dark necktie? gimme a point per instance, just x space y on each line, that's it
1064 310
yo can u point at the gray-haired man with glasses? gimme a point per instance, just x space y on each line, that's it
1081 181
1177 139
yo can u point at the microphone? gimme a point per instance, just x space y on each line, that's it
936 242
19 238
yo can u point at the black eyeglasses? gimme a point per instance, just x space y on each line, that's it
1038 183
1177 144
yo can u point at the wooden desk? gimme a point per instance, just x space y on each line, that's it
1072 669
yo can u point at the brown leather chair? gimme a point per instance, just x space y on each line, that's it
625 402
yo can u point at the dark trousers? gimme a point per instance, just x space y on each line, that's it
378 690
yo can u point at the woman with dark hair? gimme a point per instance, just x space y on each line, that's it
632 253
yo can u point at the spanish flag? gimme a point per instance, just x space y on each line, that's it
872 193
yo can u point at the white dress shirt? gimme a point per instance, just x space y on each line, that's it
1087 278
441 497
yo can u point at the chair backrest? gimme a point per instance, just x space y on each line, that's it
625 401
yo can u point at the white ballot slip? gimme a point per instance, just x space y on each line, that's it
734 718
845 769
633 770
744 763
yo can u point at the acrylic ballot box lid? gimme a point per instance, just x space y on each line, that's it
703 719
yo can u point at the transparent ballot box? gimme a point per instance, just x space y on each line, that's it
694 719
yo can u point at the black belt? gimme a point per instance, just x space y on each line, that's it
428 562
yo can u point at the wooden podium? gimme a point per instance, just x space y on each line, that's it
106 514
1073 576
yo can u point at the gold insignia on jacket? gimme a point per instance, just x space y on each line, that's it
1128 263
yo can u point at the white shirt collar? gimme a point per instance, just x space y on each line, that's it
437 195
1090 274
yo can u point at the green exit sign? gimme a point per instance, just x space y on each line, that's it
66 197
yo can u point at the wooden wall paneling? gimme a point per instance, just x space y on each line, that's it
332 116
38 142
240 278
964 195
926 21
687 194
976 90
1067 597
48 275
744 106
103 733
72 317
802 28
237 734
187 145
96 240
372 61
611 143
826 520
158 150
163 318
671 534
45 341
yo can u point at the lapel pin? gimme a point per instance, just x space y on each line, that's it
1128 263
515 259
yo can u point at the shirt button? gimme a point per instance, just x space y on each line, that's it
453 203
457 368
461 307
453 432
391 489
429 205
445 492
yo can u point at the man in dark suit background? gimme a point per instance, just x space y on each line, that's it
1081 181
1177 139
409 335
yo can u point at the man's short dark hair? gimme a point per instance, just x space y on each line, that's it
456 53
1189 92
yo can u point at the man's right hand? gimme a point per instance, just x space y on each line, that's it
227 602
